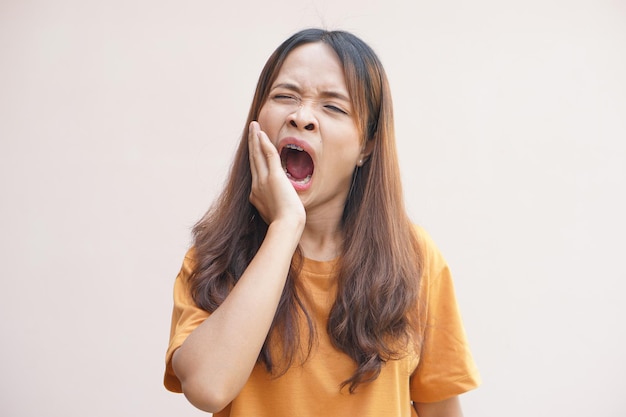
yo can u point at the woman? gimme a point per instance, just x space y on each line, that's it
308 292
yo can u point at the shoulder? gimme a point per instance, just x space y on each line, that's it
432 260
189 264
182 284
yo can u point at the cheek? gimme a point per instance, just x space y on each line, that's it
345 154
269 118
262 119
352 144
269 124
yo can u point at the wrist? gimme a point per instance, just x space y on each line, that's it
287 229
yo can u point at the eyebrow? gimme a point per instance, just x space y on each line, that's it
328 93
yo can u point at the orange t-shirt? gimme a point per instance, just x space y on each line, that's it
443 368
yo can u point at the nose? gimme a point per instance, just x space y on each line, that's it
303 118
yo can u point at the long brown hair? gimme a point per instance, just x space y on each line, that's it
374 317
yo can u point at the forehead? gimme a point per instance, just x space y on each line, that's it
313 65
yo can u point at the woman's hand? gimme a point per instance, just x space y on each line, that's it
272 194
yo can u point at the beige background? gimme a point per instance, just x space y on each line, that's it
118 120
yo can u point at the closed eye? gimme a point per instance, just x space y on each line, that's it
284 97
335 109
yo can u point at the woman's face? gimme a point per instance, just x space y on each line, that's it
309 117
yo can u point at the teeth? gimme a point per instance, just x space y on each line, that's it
300 149
302 181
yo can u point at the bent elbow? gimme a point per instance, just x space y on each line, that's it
205 398
204 393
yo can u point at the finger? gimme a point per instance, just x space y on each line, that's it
258 165
252 146
259 158
269 151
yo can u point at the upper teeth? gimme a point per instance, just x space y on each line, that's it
295 147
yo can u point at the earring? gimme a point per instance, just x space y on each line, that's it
360 162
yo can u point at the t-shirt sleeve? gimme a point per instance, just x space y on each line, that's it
186 316
446 367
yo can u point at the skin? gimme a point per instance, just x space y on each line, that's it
450 407
308 103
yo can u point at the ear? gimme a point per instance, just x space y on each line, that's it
365 154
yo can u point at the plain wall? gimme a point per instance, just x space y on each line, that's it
118 121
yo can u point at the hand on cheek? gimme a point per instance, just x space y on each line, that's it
272 194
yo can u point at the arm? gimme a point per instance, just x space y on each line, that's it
216 360
450 407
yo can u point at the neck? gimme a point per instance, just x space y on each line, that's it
322 238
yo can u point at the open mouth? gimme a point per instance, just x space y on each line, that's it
297 164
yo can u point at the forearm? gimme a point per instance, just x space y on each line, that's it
450 407
216 360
